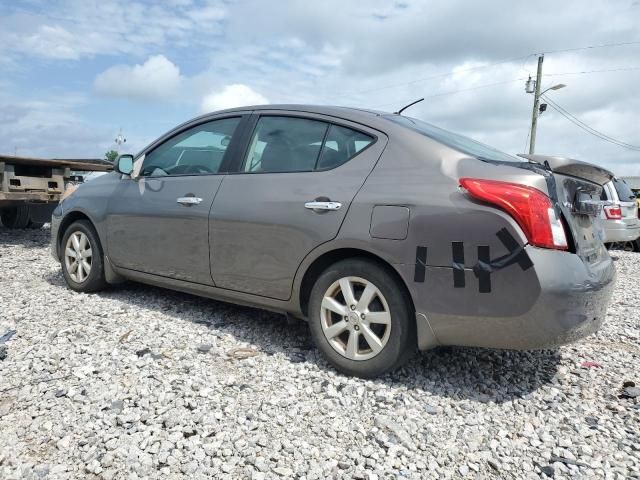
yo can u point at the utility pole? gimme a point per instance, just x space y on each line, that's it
536 106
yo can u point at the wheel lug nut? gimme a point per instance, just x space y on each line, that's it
356 327
353 307
362 316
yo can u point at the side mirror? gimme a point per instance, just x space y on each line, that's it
124 164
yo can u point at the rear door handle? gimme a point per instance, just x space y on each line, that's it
188 201
323 205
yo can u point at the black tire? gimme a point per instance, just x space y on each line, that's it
95 280
15 217
636 245
401 343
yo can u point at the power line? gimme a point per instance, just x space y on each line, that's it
596 133
437 75
621 69
459 91
509 81
479 67
589 47
591 129
576 121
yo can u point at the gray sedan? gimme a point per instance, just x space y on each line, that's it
385 233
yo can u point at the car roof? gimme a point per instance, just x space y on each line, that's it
333 110
372 118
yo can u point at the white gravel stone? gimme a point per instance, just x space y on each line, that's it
137 382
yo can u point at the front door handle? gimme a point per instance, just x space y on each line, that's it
188 201
323 205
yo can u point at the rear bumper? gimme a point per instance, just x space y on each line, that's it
571 303
619 231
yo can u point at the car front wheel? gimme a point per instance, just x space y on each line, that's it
360 319
81 258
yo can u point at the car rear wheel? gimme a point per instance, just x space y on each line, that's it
82 258
360 319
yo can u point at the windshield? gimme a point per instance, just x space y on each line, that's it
459 142
624 192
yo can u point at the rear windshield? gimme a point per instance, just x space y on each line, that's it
624 192
459 142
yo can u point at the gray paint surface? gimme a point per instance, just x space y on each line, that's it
253 241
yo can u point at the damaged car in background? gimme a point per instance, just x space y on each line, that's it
387 234
619 217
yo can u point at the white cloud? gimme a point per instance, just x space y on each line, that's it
50 127
74 29
206 15
53 41
157 78
231 96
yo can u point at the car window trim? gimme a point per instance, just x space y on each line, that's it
331 120
322 146
230 151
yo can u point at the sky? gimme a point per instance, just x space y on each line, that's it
74 73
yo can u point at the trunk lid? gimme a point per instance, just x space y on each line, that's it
575 187
572 168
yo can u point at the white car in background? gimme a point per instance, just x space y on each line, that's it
619 217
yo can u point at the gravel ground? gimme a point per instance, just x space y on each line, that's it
141 382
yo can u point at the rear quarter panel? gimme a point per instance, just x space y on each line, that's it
422 175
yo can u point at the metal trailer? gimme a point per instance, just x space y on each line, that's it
31 188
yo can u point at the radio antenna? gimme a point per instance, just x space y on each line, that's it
399 112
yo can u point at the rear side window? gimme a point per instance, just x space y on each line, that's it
624 192
456 141
285 144
341 144
292 144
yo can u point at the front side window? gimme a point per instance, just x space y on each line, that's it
290 144
199 150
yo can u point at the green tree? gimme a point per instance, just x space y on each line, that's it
111 155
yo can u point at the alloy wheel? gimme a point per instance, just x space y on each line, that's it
355 318
77 256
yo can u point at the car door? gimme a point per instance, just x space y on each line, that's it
158 220
291 192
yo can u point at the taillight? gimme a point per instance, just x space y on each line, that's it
613 212
531 208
